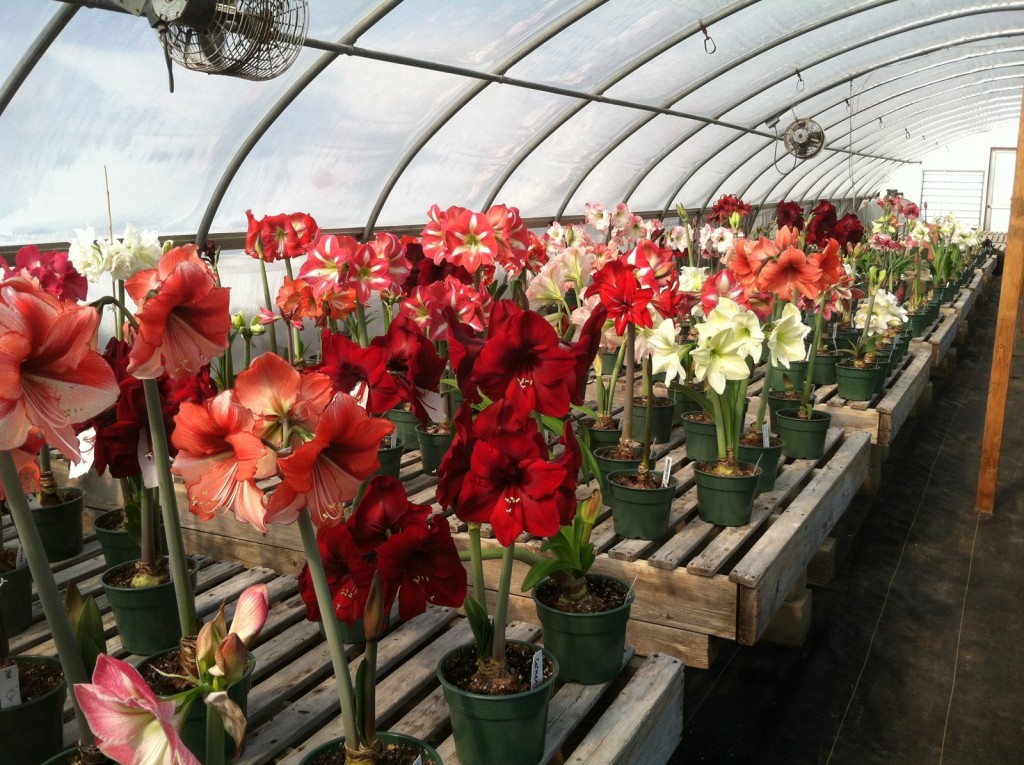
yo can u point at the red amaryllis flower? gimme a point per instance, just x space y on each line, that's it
791 272
368 271
195 389
822 224
524 362
285 404
183 316
512 485
383 511
221 459
52 271
426 306
280 236
422 564
723 209
512 237
790 214
361 372
649 257
393 250
412 361
622 295
460 236
327 264
848 230
50 374
722 284
324 473
348 576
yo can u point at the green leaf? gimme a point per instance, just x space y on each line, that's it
482 626
585 410
541 571
554 424
359 711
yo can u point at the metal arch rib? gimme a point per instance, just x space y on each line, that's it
471 92
877 38
761 148
245 148
35 52
527 149
635 127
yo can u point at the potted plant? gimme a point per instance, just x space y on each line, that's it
584 615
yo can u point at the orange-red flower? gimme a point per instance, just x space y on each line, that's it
51 376
183 316
791 272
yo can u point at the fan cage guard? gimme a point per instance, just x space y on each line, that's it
251 39
814 143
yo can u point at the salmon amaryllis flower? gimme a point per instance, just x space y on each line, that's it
792 273
132 726
183 316
221 458
326 472
51 376
280 236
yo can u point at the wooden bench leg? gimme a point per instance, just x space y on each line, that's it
823 565
792 622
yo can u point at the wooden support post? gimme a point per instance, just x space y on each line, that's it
1002 355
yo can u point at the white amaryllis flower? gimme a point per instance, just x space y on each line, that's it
786 340
884 311
556 233
622 216
677 238
746 327
664 351
691 278
719 241
546 287
578 260
718 360
86 255
143 251
597 216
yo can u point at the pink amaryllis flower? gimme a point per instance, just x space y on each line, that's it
132 726
51 376
221 459
183 316
325 472
52 271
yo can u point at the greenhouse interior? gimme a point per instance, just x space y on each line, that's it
630 380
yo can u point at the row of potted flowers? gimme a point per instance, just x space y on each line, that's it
489 336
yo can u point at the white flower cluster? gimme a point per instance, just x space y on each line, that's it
886 310
121 258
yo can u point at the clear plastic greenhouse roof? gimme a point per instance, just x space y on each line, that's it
393 106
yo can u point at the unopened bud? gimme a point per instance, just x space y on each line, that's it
238 320
257 327
591 506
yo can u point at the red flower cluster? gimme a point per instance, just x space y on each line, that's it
790 215
280 236
723 209
474 240
340 264
52 271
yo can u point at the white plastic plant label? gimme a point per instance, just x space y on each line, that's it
666 471
19 556
10 689
766 438
418 760
146 462
394 438
537 670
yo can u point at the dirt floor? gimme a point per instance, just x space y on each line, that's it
916 649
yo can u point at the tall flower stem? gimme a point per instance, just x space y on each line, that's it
147 542
270 306
819 323
214 737
613 380
476 560
183 595
46 587
334 641
645 463
719 414
501 604
627 411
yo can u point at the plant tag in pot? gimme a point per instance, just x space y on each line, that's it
537 670
666 471
418 760
835 331
10 690
394 438
19 556
146 462
766 439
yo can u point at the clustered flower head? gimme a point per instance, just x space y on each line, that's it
121 258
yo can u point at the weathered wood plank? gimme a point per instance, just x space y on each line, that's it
897 405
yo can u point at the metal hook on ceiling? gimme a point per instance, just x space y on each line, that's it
800 84
709 44
907 131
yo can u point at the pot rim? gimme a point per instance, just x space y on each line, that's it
512 696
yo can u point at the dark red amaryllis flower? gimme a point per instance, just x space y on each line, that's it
280 236
523 361
464 346
723 209
348 576
412 361
848 230
584 350
196 389
384 510
790 214
513 486
118 432
422 564
359 372
622 295
822 224
451 474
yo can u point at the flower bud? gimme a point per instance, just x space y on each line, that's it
238 320
591 507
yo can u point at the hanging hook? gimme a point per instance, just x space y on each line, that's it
161 30
848 107
709 44
800 84
907 131
879 122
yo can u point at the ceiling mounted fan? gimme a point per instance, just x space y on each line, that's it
251 39
804 138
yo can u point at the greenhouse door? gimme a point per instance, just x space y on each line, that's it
1001 164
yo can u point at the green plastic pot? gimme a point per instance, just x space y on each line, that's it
193 728
390 460
641 513
33 732
588 646
609 466
60 525
601 436
846 337
427 752
776 403
16 600
433 447
884 364
684 403
796 373
117 544
767 458
803 439
856 384
825 368
701 440
725 500
497 730
147 617
663 413
608 359
405 421
918 322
